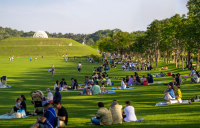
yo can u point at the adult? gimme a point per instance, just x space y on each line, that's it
123 85
138 79
86 80
57 95
177 80
180 78
48 120
75 84
148 66
195 78
191 61
129 113
169 92
21 106
127 79
49 95
96 89
103 116
72 83
62 84
53 70
116 111
79 67
56 85
62 113
149 78
130 81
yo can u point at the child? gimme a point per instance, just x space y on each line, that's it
178 94
66 59
103 89
86 80
18 102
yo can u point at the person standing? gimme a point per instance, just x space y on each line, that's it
191 61
53 70
30 58
79 67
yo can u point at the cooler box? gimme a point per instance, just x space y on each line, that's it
169 74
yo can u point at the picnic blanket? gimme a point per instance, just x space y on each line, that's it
138 120
157 83
174 102
5 86
5 116
122 89
111 91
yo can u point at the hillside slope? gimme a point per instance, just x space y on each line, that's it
25 46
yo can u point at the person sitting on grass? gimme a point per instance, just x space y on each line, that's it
86 80
102 117
103 89
138 79
95 80
21 106
62 113
129 113
57 95
144 80
195 78
96 88
49 97
149 78
127 79
162 74
62 85
116 111
178 94
48 120
180 79
177 80
72 83
164 68
169 92
56 85
123 85
130 81
193 71
174 79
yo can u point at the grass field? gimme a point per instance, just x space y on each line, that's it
36 47
25 76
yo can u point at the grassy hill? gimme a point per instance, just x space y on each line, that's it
25 46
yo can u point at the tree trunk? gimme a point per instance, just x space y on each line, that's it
182 64
176 60
188 59
179 63
197 58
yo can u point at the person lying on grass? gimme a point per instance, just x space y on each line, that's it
48 120
116 111
178 94
103 116
103 89
96 88
17 106
129 113
164 68
169 92
62 113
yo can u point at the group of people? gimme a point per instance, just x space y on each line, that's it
63 86
195 76
128 65
173 92
114 115
135 80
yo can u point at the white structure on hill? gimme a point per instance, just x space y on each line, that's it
40 34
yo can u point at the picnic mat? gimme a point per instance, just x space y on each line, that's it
174 102
157 83
122 89
5 86
111 91
5 116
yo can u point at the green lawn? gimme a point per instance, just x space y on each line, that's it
25 76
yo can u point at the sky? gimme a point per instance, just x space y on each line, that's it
86 16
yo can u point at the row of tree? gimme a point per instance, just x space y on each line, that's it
90 39
175 37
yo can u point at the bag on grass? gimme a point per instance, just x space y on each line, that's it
22 112
17 115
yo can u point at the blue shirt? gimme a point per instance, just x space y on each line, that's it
150 80
50 116
171 93
57 96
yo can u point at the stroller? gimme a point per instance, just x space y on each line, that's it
37 98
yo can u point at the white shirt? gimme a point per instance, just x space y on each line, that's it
55 86
17 104
130 114
123 85
88 86
79 66
49 96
